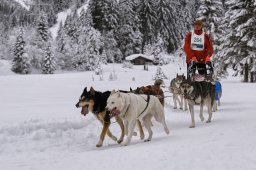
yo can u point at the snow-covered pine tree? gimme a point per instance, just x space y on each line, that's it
48 63
104 13
212 13
167 24
103 57
88 50
112 52
20 63
85 18
148 17
4 37
159 74
60 38
42 27
128 35
240 42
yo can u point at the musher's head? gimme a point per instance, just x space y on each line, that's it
198 25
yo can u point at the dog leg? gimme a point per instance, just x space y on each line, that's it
201 111
191 109
126 127
147 124
108 132
131 127
142 135
175 101
181 102
209 112
103 134
186 104
120 123
214 108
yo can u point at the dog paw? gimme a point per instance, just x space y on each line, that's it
120 141
99 145
208 121
175 107
192 126
142 137
181 108
124 144
147 140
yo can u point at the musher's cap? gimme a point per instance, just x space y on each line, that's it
198 22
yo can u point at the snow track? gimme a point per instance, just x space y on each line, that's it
40 128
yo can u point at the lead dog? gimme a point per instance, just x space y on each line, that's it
202 93
95 102
131 107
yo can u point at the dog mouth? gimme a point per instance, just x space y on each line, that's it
114 112
85 110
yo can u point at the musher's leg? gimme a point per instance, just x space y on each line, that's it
210 65
191 68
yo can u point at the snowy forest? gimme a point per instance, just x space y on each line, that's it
97 32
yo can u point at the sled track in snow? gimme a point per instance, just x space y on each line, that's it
41 135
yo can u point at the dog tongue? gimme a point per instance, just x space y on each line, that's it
84 111
114 112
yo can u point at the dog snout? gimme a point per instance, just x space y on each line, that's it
77 105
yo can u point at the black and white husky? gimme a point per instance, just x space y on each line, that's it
202 93
174 88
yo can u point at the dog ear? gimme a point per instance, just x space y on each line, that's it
85 89
130 89
118 93
92 91
177 75
113 92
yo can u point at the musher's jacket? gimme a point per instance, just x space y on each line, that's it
195 48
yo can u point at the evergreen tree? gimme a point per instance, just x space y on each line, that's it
148 18
105 15
42 27
128 35
49 64
212 13
159 74
112 52
239 45
21 62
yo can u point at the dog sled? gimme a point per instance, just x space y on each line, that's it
201 77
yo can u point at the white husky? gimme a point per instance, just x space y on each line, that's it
131 107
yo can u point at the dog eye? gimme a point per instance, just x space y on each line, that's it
112 102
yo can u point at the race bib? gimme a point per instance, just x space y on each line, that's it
197 41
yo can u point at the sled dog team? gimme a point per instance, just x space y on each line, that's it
137 107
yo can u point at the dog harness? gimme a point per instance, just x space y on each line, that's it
217 89
148 98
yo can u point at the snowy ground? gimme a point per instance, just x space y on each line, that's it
40 128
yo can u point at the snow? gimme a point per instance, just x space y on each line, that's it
24 3
40 128
5 67
133 56
61 17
